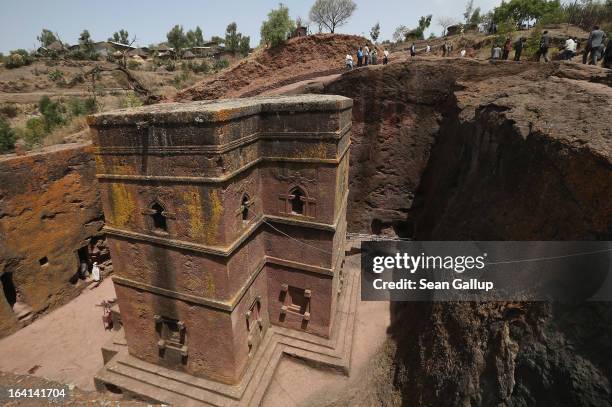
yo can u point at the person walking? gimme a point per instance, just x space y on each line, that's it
95 272
349 62
428 49
413 50
385 57
544 45
518 48
597 40
570 49
507 49
496 52
359 56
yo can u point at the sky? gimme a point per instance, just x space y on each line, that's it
22 20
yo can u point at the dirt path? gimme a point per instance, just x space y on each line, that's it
296 88
64 345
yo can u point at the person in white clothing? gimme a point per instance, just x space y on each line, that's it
349 61
570 49
95 272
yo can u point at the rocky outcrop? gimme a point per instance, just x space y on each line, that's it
49 211
457 149
297 59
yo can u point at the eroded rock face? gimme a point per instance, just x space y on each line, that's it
49 209
459 150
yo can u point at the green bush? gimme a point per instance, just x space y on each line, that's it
220 64
131 100
170 66
53 113
56 76
35 132
18 58
7 136
9 110
133 65
81 107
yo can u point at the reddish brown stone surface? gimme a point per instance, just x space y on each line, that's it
49 209
200 200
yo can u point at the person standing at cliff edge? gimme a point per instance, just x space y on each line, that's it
518 48
596 40
507 48
349 62
385 57
544 45
359 56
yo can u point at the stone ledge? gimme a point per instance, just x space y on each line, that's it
218 111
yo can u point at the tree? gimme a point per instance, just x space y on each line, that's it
424 23
446 22
332 13
469 7
195 38
176 38
475 18
85 42
245 45
46 37
400 33
278 27
217 40
375 32
121 36
522 11
232 40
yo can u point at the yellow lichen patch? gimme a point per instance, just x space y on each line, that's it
208 285
318 150
224 114
193 203
122 205
204 216
216 209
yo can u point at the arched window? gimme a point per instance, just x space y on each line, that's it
245 207
297 197
160 223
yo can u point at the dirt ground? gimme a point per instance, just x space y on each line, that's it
64 345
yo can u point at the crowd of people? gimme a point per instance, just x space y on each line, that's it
597 49
366 57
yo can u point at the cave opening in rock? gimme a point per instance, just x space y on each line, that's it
8 287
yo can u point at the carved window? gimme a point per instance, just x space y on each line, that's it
295 301
172 336
298 203
160 223
157 218
254 325
297 199
246 202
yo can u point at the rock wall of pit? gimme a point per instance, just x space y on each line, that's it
49 209
460 150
